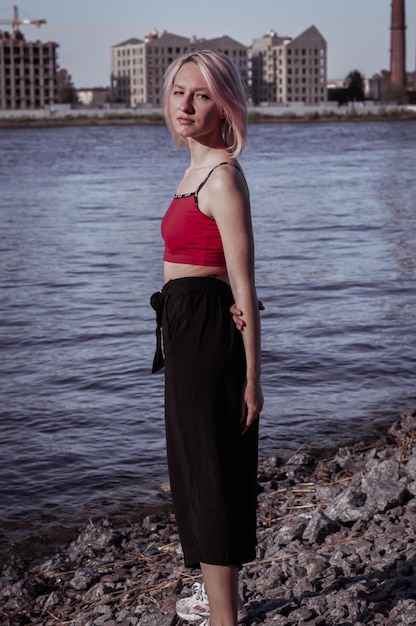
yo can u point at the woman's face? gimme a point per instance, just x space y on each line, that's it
193 112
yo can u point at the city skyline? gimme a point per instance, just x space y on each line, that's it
357 33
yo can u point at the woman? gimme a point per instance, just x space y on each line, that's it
213 395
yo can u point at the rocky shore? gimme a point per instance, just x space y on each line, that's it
337 546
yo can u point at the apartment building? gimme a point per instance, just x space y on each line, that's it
232 48
138 66
27 73
287 70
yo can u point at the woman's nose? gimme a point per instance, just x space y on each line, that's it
186 105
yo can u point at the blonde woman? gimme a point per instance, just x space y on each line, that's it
213 394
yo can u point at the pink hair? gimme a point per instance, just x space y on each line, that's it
227 90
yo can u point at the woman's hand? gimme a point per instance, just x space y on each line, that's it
238 316
252 405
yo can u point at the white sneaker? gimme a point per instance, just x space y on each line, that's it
196 607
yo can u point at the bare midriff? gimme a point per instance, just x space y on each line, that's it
183 270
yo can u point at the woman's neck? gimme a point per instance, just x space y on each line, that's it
205 156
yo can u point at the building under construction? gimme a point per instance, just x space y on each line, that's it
28 69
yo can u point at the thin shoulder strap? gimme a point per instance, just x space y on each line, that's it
214 168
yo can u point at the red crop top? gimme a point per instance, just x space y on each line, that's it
190 236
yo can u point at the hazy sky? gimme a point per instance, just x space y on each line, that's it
357 31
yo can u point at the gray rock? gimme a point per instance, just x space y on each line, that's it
319 527
380 488
83 579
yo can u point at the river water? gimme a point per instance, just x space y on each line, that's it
81 417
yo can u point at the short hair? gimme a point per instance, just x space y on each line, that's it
227 89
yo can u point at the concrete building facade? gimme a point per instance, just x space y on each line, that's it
28 73
287 70
138 66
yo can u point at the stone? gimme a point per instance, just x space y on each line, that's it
319 527
83 579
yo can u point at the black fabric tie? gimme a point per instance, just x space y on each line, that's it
156 302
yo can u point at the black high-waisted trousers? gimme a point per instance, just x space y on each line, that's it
212 468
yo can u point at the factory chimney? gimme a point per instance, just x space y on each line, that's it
398 43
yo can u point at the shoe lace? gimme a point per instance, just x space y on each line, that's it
198 591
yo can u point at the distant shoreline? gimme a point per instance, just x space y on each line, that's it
256 116
78 121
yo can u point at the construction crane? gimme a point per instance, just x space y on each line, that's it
16 22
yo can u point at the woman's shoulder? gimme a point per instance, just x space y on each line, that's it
228 176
